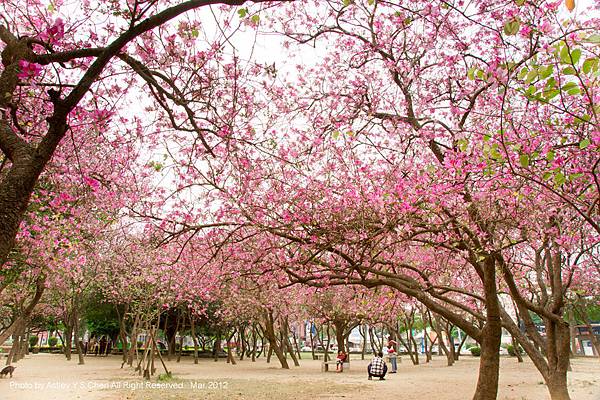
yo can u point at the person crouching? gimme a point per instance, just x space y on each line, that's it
377 368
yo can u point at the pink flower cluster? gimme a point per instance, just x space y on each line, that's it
54 33
28 70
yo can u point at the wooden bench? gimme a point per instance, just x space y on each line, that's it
5 350
325 365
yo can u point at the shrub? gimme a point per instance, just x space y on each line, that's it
52 341
33 340
475 351
511 350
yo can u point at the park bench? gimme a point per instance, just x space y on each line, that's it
325 365
5 350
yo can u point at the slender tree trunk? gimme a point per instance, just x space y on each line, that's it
286 341
230 357
67 348
26 314
517 348
362 329
194 337
269 333
78 346
217 346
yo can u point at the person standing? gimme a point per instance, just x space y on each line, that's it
392 354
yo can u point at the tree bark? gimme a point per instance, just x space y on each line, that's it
489 364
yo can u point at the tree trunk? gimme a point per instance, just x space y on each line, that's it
217 347
489 364
78 346
194 337
24 317
269 333
516 348
362 329
438 330
230 357
557 386
67 348
286 341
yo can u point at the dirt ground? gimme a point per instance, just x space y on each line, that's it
49 377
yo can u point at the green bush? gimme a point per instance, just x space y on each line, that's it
476 351
52 341
33 340
511 350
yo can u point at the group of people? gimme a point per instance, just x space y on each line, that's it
377 368
98 347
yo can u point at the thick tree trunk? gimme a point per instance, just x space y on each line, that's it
18 184
489 365
557 386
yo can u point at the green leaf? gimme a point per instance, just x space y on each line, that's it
584 143
595 38
523 73
589 65
572 177
575 56
531 76
471 73
547 175
550 94
559 179
495 154
347 3
550 155
524 160
195 33
243 12
336 134
255 19
569 71
519 2
565 58
511 27
462 144
546 71
568 86
371 2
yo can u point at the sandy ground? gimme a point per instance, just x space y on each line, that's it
49 377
